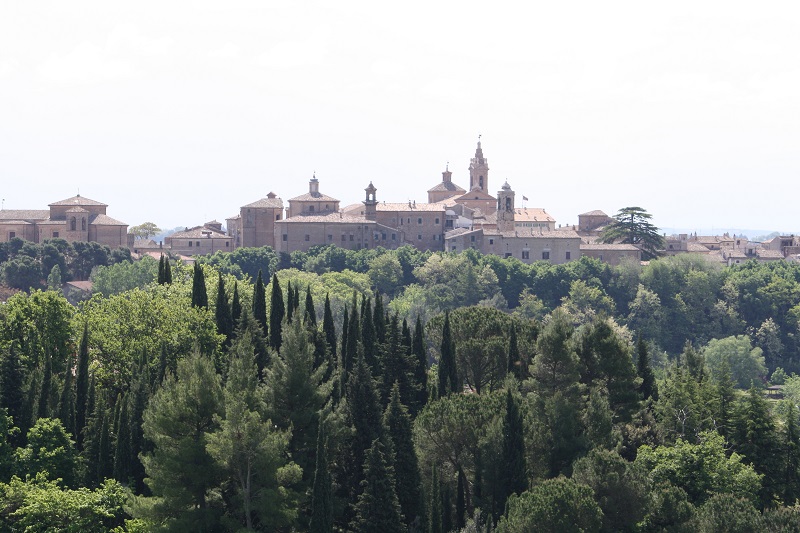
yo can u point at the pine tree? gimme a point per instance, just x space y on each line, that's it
514 361
123 453
236 307
404 462
514 476
82 387
321 494
310 316
66 403
199 294
277 312
448 376
260 305
377 508
46 386
11 381
648 388
222 312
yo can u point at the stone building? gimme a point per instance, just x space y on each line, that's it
254 226
613 254
76 219
313 202
200 240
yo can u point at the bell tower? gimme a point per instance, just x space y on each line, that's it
370 203
505 209
479 170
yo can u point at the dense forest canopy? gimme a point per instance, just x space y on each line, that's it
377 390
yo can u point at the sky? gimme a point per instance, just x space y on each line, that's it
181 112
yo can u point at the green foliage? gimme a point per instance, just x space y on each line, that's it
632 226
377 508
145 230
746 363
121 277
778 377
554 506
404 459
49 450
199 291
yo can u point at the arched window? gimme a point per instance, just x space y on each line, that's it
72 224
480 182
83 224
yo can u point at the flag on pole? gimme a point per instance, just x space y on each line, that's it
525 198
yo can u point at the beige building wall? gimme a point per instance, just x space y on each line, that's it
555 248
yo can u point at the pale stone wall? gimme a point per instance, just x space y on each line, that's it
111 236
258 226
200 245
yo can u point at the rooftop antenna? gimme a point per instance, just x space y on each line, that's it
3 204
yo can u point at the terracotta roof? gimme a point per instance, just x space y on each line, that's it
317 197
199 232
236 217
769 254
77 209
532 214
618 247
447 186
275 203
105 220
81 285
475 194
696 247
17 222
24 214
534 234
79 200
595 213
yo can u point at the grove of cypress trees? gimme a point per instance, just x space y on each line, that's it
199 294
377 508
277 312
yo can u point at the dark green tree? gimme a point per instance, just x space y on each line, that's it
790 455
377 508
277 311
632 226
514 477
11 383
365 413
160 278
755 437
222 312
82 387
199 294
448 376
289 302
236 306
329 328
66 403
514 362
123 452
350 351
321 494
310 316
404 460
46 388
368 337
167 272
420 353
648 388
260 305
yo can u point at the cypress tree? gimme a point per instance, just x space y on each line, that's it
365 411
82 387
289 302
404 461
199 294
276 315
163 365
122 450
296 298
351 351
310 316
648 388
435 504
160 278
420 369
447 508
11 380
514 361
726 397
321 494
756 439
47 384
329 328
138 401
513 476
222 312
66 404
448 377
379 319
405 337
167 272
368 338
260 305
104 465
377 508
790 455
461 503
236 307
345 330
396 366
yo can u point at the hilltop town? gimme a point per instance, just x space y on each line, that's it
453 219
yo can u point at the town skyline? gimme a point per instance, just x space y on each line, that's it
687 111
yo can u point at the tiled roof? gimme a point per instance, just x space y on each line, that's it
77 209
447 186
400 206
769 254
535 234
329 219
458 231
78 200
49 222
236 217
24 214
81 285
696 247
316 197
16 222
275 203
532 214
105 220
475 194
199 232
617 247
595 213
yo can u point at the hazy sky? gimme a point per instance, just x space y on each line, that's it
179 113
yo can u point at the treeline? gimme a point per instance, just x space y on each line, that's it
203 401
28 266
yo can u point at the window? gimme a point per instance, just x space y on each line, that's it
55 235
393 236
190 244
419 237
83 224
307 237
419 221
437 221
278 217
351 237
526 254
472 238
330 237
569 256
546 254
383 236
508 254
227 244
311 209
72 224
285 237
197 244
491 241
344 238
12 234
